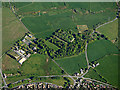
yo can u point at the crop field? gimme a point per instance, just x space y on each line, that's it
110 30
94 75
108 68
100 48
12 29
77 62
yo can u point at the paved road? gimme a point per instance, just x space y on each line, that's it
86 55
3 78
97 81
63 70
106 23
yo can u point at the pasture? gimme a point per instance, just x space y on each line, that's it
51 45
36 65
40 65
63 16
92 5
73 64
43 26
12 29
94 75
108 68
9 65
110 30
100 48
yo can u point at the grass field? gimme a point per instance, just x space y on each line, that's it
40 65
94 75
35 6
108 68
59 81
92 5
12 29
73 64
51 45
110 30
9 65
36 65
43 26
100 48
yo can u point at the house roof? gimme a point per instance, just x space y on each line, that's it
22 60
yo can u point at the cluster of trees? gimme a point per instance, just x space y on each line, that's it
98 36
56 41
70 48
65 35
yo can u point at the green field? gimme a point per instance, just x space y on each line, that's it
36 6
51 45
92 5
108 68
94 75
43 26
63 16
38 64
73 64
9 65
110 30
12 29
100 48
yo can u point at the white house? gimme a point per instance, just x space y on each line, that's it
81 71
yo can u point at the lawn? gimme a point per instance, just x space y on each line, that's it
108 68
12 29
100 48
94 75
110 30
73 64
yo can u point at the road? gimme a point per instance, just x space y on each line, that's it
64 71
3 78
58 64
106 23
97 81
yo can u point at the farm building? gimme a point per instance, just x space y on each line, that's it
22 60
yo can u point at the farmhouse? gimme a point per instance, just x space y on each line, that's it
22 60
20 50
